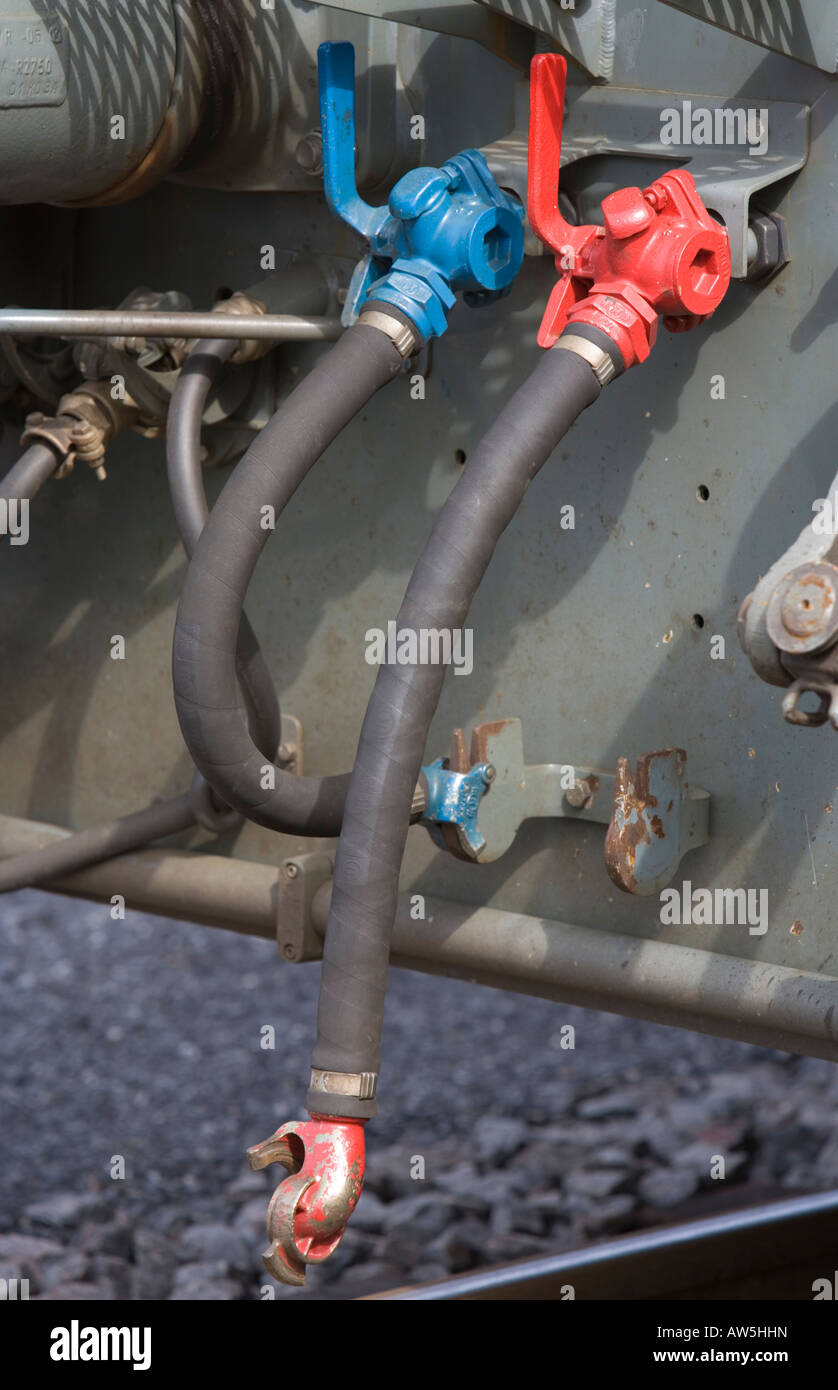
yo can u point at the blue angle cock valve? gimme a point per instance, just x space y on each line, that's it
443 231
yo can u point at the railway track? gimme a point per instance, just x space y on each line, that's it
773 1251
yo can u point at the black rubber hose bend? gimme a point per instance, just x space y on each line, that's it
29 474
207 698
199 374
392 744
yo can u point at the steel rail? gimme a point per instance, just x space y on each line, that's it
776 1250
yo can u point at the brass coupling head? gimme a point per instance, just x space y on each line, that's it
307 1215
247 349
86 421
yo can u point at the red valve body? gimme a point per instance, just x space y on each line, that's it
658 252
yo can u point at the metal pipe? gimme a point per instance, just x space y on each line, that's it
678 986
235 894
152 323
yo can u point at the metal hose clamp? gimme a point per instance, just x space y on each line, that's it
405 340
360 1085
600 361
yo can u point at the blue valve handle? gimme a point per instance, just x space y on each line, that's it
443 231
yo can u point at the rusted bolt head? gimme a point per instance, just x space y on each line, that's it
803 612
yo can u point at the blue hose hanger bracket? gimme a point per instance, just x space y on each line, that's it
443 231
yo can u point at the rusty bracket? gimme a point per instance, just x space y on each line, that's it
657 817
653 816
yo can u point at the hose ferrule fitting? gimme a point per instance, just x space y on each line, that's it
402 332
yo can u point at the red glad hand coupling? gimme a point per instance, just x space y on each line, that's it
659 252
308 1212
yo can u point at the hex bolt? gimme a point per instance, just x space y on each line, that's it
580 794
767 245
309 153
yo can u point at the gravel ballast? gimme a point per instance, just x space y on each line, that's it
137 1068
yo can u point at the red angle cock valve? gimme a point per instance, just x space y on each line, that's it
658 252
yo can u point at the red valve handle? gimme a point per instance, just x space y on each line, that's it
548 73
658 252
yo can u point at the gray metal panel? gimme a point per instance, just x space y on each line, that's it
804 29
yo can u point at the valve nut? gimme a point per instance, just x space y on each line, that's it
802 613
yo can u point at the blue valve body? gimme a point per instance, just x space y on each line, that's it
443 231
454 799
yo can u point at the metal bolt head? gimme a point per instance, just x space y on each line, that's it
581 794
802 614
309 153
807 605
291 869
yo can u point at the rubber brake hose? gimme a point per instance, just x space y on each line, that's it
29 474
86 847
392 744
210 708
200 371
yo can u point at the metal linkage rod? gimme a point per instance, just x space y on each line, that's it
150 323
